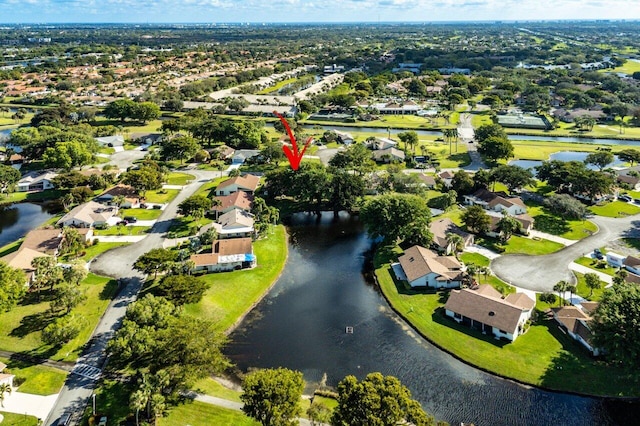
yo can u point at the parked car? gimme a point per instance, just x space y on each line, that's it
598 254
123 223
103 421
636 200
624 198
65 419
131 219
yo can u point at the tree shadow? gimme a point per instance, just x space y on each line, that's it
32 323
110 290
553 225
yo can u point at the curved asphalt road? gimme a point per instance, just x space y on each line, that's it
541 273
117 263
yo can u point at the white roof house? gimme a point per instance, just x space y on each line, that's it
234 224
36 181
88 215
111 141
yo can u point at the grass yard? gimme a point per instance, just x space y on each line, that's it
520 245
550 223
20 329
543 356
141 214
38 379
209 188
122 230
209 386
100 248
186 226
233 293
584 291
615 209
200 414
11 247
16 197
492 280
161 196
176 178
12 419
475 258
629 67
592 263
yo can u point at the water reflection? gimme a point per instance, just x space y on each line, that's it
18 219
301 325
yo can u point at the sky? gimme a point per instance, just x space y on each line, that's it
259 11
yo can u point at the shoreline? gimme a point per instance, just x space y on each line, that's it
255 303
503 377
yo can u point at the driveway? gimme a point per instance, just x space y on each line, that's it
33 405
541 273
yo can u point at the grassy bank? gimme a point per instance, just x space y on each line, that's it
232 294
543 357
38 379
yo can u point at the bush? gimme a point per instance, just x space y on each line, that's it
61 331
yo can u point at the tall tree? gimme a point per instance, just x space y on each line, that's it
476 219
182 289
629 155
12 287
592 281
507 226
179 148
67 297
615 324
514 177
600 159
195 206
377 400
155 260
560 287
495 148
8 177
396 217
272 396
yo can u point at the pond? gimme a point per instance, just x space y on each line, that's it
301 324
18 219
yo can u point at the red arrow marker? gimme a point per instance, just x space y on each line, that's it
293 155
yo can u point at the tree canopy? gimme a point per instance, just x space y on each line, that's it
377 400
272 396
476 219
396 217
12 287
182 289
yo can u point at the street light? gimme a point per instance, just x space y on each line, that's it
93 396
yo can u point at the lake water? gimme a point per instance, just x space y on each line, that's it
18 219
301 324
563 156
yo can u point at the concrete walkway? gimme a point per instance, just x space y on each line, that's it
483 251
564 241
118 238
26 403
584 270
61 365
172 186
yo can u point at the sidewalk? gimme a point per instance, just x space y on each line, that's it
584 270
26 403
119 238
564 241
483 251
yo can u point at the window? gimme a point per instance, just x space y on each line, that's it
457 316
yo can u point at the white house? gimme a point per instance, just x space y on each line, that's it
226 255
615 259
422 267
632 264
497 202
242 155
234 224
381 143
484 309
388 155
88 215
447 177
247 183
111 141
344 137
36 181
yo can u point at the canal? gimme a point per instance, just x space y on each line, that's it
301 325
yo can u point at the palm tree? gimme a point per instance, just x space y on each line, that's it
138 401
571 288
472 269
4 388
560 287
484 271
67 200
456 242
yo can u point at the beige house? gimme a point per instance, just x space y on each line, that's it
88 215
484 309
131 199
248 183
422 267
234 224
239 200
388 155
226 255
576 322
441 228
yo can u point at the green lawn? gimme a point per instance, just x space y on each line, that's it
545 221
629 67
141 214
475 258
584 291
543 356
592 263
20 329
520 245
10 248
11 419
209 386
49 194
161 196
209 188
185 226
175 178
122 230
541 150
99 248
200 414
38 379
233 293
615 209
495 282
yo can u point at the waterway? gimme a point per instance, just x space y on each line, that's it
393 132
18 219
563 156
301 325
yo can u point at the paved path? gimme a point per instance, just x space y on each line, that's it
541 273
564 241
61 365
466 135
33 405
117 263
584 270
483 251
